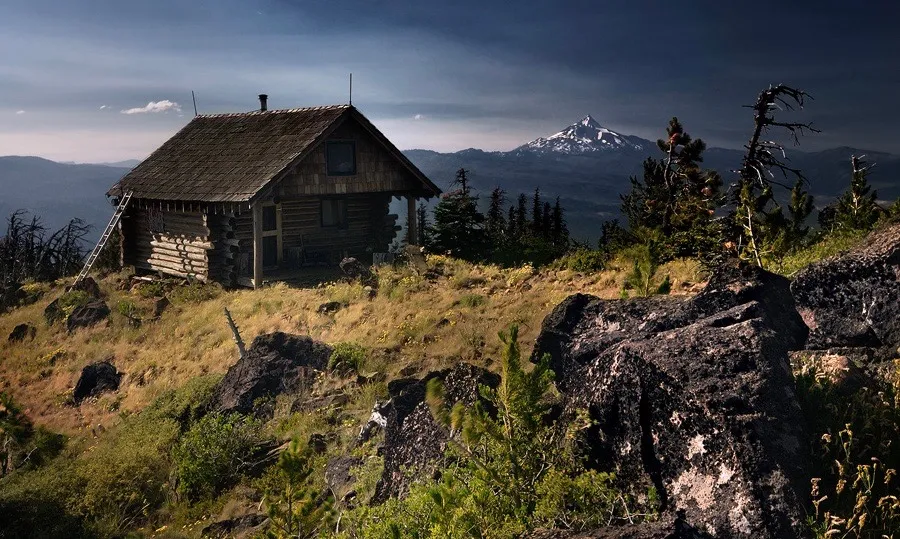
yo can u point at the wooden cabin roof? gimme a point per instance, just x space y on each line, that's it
233 157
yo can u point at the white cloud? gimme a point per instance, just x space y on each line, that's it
155 106
103 107
20 112
418 117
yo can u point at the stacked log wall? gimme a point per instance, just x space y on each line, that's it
168 242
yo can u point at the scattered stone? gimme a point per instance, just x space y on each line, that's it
89 286
370 292
22 332
275 363
52 312
317 443
237 527
692 397
414 442
339 476
159 306
87 315
330 307
95 379
321 402
357 271
853 300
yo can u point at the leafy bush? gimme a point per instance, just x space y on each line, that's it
70 301
347 357
153 289
212 454
194 292
582 260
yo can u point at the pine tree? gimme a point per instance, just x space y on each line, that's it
560 231
856 209
512 230
424 226
547 221
536 213
799 208
495 226
294 509
458 225
521 216
676 197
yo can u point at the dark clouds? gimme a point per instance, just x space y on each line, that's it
483 74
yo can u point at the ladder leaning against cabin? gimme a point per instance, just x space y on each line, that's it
120 209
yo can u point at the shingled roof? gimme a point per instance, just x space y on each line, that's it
232 157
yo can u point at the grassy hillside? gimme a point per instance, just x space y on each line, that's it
414 323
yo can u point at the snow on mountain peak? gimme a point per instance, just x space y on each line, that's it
585 136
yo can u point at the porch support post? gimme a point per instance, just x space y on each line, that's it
257 246
412 226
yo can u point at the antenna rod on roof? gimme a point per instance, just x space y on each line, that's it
194 98
351 89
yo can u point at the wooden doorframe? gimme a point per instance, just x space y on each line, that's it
258 235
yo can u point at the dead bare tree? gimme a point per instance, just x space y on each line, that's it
27 252
757 214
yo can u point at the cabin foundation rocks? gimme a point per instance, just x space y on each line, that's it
414 443
275 363
854 300
694 398
95 379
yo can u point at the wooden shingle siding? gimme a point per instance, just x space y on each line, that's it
376 169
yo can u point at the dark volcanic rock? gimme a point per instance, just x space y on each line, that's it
413 441
354 269
87 315
89 286
243 526
693 397
854 300
330 307
22 332
95 379
665 529
275 363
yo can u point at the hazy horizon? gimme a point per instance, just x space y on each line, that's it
103 81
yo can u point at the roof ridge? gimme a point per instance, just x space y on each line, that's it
275 111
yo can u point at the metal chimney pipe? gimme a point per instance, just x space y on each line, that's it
263 98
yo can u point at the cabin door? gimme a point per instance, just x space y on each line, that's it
271 235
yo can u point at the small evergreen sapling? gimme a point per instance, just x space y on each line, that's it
295 509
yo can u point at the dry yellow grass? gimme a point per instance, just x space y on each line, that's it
413 322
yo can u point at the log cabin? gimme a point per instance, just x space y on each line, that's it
246 198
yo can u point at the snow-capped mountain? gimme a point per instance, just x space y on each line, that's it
585 136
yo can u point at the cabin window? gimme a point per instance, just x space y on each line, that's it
340 158
269 219
334 212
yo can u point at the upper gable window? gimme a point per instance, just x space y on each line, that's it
340 158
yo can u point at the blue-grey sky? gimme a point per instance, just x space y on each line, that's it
104 80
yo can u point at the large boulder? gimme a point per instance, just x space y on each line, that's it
853 300
95 379
87 315
89 286
22 332
413 441
692 397
275 363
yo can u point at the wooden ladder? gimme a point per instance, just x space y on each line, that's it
120 209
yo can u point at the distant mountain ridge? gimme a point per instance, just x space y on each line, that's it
586 164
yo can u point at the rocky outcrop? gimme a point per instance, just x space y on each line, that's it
692 397
22 332
275 363
854 300
413 441
89 286
357 271
95 379
87 315
238 527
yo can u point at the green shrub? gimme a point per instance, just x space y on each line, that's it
582 261
70 301
472 300
295 508
195 292
347 357
153 289
213 453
